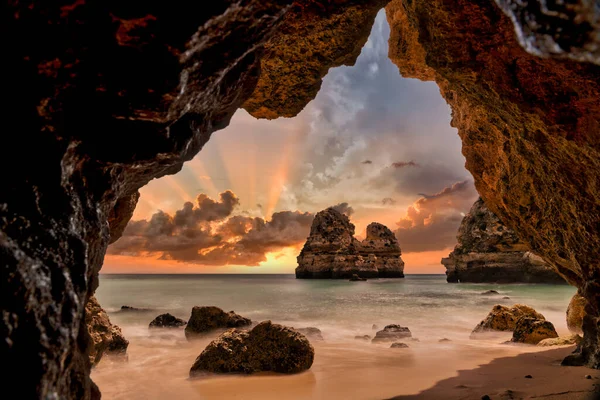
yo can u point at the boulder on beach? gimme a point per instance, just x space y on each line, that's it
267 347
311 332
561 341
167 321
356 278
503 318
208 318
399 345
391 333
105 336
575 313
533 331
366 338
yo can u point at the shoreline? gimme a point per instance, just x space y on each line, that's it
159 364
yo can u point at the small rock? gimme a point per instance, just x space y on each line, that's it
311 332
205 319
533 331
506 298
575 313
134 309
267 347
391 333
588 377
356 278
444 340
561 341
399 345
414 339
489 293
485 397
167 321
366 338
374 327
528 376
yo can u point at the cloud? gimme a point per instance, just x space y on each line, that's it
432 223
344 208
402 164
207 233
388 201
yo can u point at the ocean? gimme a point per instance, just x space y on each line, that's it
432 309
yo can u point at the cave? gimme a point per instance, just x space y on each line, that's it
103 97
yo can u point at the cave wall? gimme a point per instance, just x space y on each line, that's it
103 96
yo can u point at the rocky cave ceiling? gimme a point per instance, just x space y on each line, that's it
104 96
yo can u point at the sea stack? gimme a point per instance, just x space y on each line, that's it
488 251
332 252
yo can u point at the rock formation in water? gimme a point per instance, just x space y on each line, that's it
166 321
311 332
206 319
105 336
331 251
502 318
267 347
82 100
488 251
391 333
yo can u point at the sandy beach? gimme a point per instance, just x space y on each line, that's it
158 369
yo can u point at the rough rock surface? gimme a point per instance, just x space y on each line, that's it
488 251
267 347
503 318
82 98
529 127
167 321
399 345
331 251
391 333
206 319
105 337
575 313
314 36
311 332
561 341
533 331
104 97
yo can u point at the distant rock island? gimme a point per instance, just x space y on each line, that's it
332 252
488 251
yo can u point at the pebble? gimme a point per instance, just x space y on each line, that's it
588 377
528 376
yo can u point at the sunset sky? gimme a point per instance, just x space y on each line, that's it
378 142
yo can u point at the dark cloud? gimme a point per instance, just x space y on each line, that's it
367 162
388 201
208 234
344 208
432 223
402 164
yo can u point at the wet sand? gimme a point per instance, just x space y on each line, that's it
158 368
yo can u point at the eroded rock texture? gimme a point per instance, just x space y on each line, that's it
267 347
488 251
102 97
332 251
315 36
530 129
502 318
209 318
105 336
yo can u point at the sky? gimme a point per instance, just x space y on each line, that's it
372 143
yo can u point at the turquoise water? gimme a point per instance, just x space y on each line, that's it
425 303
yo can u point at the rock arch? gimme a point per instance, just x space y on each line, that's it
101 97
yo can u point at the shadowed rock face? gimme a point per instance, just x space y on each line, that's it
104 96
331 251
488 251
